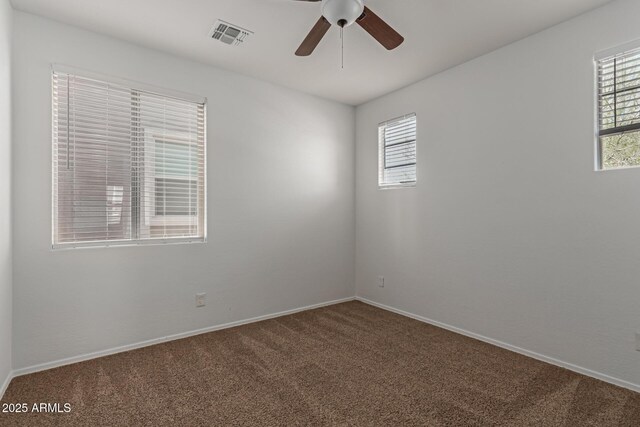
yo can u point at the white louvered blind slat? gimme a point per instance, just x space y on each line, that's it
397 152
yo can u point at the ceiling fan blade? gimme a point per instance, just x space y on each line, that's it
313 38
379 30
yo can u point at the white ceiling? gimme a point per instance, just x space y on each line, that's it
439 34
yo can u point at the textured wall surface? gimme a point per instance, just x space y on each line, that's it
280 207
510 233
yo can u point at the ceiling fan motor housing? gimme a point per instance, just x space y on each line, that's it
342 12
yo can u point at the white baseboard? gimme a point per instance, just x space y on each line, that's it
529 353
5 384
107 352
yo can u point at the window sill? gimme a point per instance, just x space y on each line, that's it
621 168
127 243
396 186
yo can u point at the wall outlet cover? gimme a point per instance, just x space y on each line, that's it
381 281
201 300
637 341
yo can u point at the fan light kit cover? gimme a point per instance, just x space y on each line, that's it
342 12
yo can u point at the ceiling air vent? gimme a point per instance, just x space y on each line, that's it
229 34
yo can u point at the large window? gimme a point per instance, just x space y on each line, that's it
128 164
619 110
397 152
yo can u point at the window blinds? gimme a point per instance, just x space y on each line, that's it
397 152
128 164
619 109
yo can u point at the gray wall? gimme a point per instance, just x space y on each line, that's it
510 233
280 203
5 190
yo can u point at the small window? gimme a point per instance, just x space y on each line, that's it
397 152
128 164
619 110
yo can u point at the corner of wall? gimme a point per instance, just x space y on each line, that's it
6 194
354 177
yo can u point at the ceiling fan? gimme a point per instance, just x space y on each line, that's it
344 13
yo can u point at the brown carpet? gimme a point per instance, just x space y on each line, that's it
348 364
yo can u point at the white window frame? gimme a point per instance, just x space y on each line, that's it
151 138
598 57
382 156
65 69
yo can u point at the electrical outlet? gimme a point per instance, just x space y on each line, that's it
381 281
201 300
637 341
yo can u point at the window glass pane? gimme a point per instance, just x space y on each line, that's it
176 197
628 107
400 155
400 175
621 150
175 159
